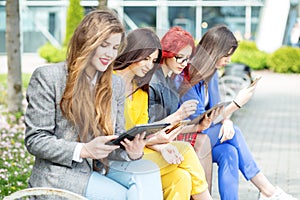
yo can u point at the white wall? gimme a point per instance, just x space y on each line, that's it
272 25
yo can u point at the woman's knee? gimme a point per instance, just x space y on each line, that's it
102 187
202 145
225 153
177 184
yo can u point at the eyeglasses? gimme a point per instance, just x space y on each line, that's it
181 60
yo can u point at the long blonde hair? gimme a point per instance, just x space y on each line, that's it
89 111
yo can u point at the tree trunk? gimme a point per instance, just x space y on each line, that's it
13 49
102 4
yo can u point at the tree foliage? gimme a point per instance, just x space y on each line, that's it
74 16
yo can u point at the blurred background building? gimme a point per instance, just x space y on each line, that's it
45 20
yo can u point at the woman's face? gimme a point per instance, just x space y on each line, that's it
142 67
177 63
222 62
225 60
105 54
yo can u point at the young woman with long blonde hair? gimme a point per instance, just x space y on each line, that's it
74 109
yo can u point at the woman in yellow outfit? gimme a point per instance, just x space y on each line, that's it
181 172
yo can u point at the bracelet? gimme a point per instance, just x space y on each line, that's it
237 105
133 159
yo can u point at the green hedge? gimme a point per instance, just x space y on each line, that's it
285 60
248 54
52 54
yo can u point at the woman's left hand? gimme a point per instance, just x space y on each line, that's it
135 148
171 154
227 131
206 122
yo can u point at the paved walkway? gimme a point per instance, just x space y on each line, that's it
270 123
29 63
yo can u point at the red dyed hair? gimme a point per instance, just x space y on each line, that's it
174 40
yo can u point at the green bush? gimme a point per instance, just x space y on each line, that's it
52 54
285 60
248 54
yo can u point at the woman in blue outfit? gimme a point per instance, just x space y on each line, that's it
229 148
74 109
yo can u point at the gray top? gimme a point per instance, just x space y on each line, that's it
163 97
52 139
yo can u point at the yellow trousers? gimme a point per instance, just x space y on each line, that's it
179 181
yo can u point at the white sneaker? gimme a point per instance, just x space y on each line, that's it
278 195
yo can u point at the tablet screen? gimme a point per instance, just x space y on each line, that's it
138 129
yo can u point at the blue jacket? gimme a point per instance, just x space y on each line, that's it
197 92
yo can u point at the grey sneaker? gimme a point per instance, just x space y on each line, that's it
278 195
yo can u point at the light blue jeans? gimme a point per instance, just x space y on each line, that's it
133 180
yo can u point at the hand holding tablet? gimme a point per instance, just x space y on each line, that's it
138 129
198 119
181 123
255 81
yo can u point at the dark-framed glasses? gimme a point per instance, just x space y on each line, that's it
181 60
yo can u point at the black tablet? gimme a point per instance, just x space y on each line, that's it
139 129
199 118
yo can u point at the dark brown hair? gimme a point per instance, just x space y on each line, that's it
140 43
216 43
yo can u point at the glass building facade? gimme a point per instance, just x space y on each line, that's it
44 20
196 16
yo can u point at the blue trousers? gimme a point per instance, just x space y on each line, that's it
231 156
133 180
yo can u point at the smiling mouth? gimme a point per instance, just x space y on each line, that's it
180 68
104 61
145 71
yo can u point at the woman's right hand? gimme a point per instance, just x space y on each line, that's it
186 109
97 148
244 95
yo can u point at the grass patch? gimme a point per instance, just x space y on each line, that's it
3 86
25 80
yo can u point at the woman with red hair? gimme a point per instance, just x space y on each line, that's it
177 48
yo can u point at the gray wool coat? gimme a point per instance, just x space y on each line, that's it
52 139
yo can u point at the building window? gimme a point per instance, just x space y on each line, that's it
141 16
52 23
184 17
